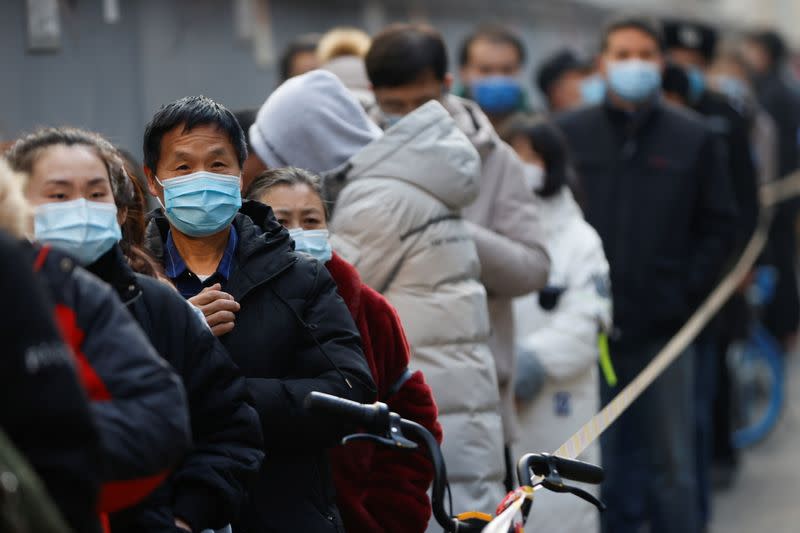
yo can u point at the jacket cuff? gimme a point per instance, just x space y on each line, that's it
199 506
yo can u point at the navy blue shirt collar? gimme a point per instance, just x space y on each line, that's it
187 281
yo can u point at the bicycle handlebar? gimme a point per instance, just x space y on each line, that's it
541 464
374 417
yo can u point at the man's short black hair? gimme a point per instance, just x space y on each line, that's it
642 23
306 43
190 112
401 53
494 33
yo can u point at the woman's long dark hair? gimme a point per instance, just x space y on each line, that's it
548 141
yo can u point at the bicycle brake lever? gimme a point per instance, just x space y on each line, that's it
393 438
580 493
392 442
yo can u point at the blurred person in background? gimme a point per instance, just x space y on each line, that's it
568 82
378 489
277 312
491 60
342 51
299 56
766 54
729 75
44 411
252 166
211 483
666 238
675 85
397 199
407 66
556 385
137 402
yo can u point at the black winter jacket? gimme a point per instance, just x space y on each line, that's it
293 335
138 403
658 193
734 129
43 408
211 483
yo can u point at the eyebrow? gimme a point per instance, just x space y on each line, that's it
66 182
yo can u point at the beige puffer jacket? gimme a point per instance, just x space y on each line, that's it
397 219
504 221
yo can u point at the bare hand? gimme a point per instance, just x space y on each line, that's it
181 524
218 307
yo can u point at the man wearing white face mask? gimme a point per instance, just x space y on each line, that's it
658 194
276 311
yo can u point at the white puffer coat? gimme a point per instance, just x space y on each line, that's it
565 343
397 219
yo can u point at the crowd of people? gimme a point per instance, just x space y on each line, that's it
377 231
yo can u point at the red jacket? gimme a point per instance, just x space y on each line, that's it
380 489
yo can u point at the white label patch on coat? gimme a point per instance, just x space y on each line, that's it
562 403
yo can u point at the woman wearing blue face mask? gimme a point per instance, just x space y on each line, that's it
366 503
76 181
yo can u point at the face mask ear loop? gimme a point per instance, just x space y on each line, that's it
157 198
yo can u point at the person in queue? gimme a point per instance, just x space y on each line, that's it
568 82
299 56
666 238
376 488
407 66
766 55
137 401
557 388
342 51
491 60
276 311
211 483
38 381
396 199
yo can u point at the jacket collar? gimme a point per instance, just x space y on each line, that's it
264 247
348 282
113 268
633 122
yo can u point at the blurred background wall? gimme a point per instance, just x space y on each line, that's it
107 65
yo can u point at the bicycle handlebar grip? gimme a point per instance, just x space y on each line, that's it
357 413
579 471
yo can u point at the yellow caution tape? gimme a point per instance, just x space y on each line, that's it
605 360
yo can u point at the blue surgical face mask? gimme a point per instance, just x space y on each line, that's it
634 80
201 203
697 83
497 95
734 88
313 242
86 230
593 90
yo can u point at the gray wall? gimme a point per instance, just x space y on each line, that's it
111 78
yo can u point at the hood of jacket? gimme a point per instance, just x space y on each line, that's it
265 248
313 122
426 149
471 120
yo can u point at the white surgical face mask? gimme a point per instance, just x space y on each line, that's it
534 176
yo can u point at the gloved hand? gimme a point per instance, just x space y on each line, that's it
530 375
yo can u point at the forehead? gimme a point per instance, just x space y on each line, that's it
62 161
199 139
426 82
288 196
631 38
484 50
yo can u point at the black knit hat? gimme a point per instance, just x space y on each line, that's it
692 36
